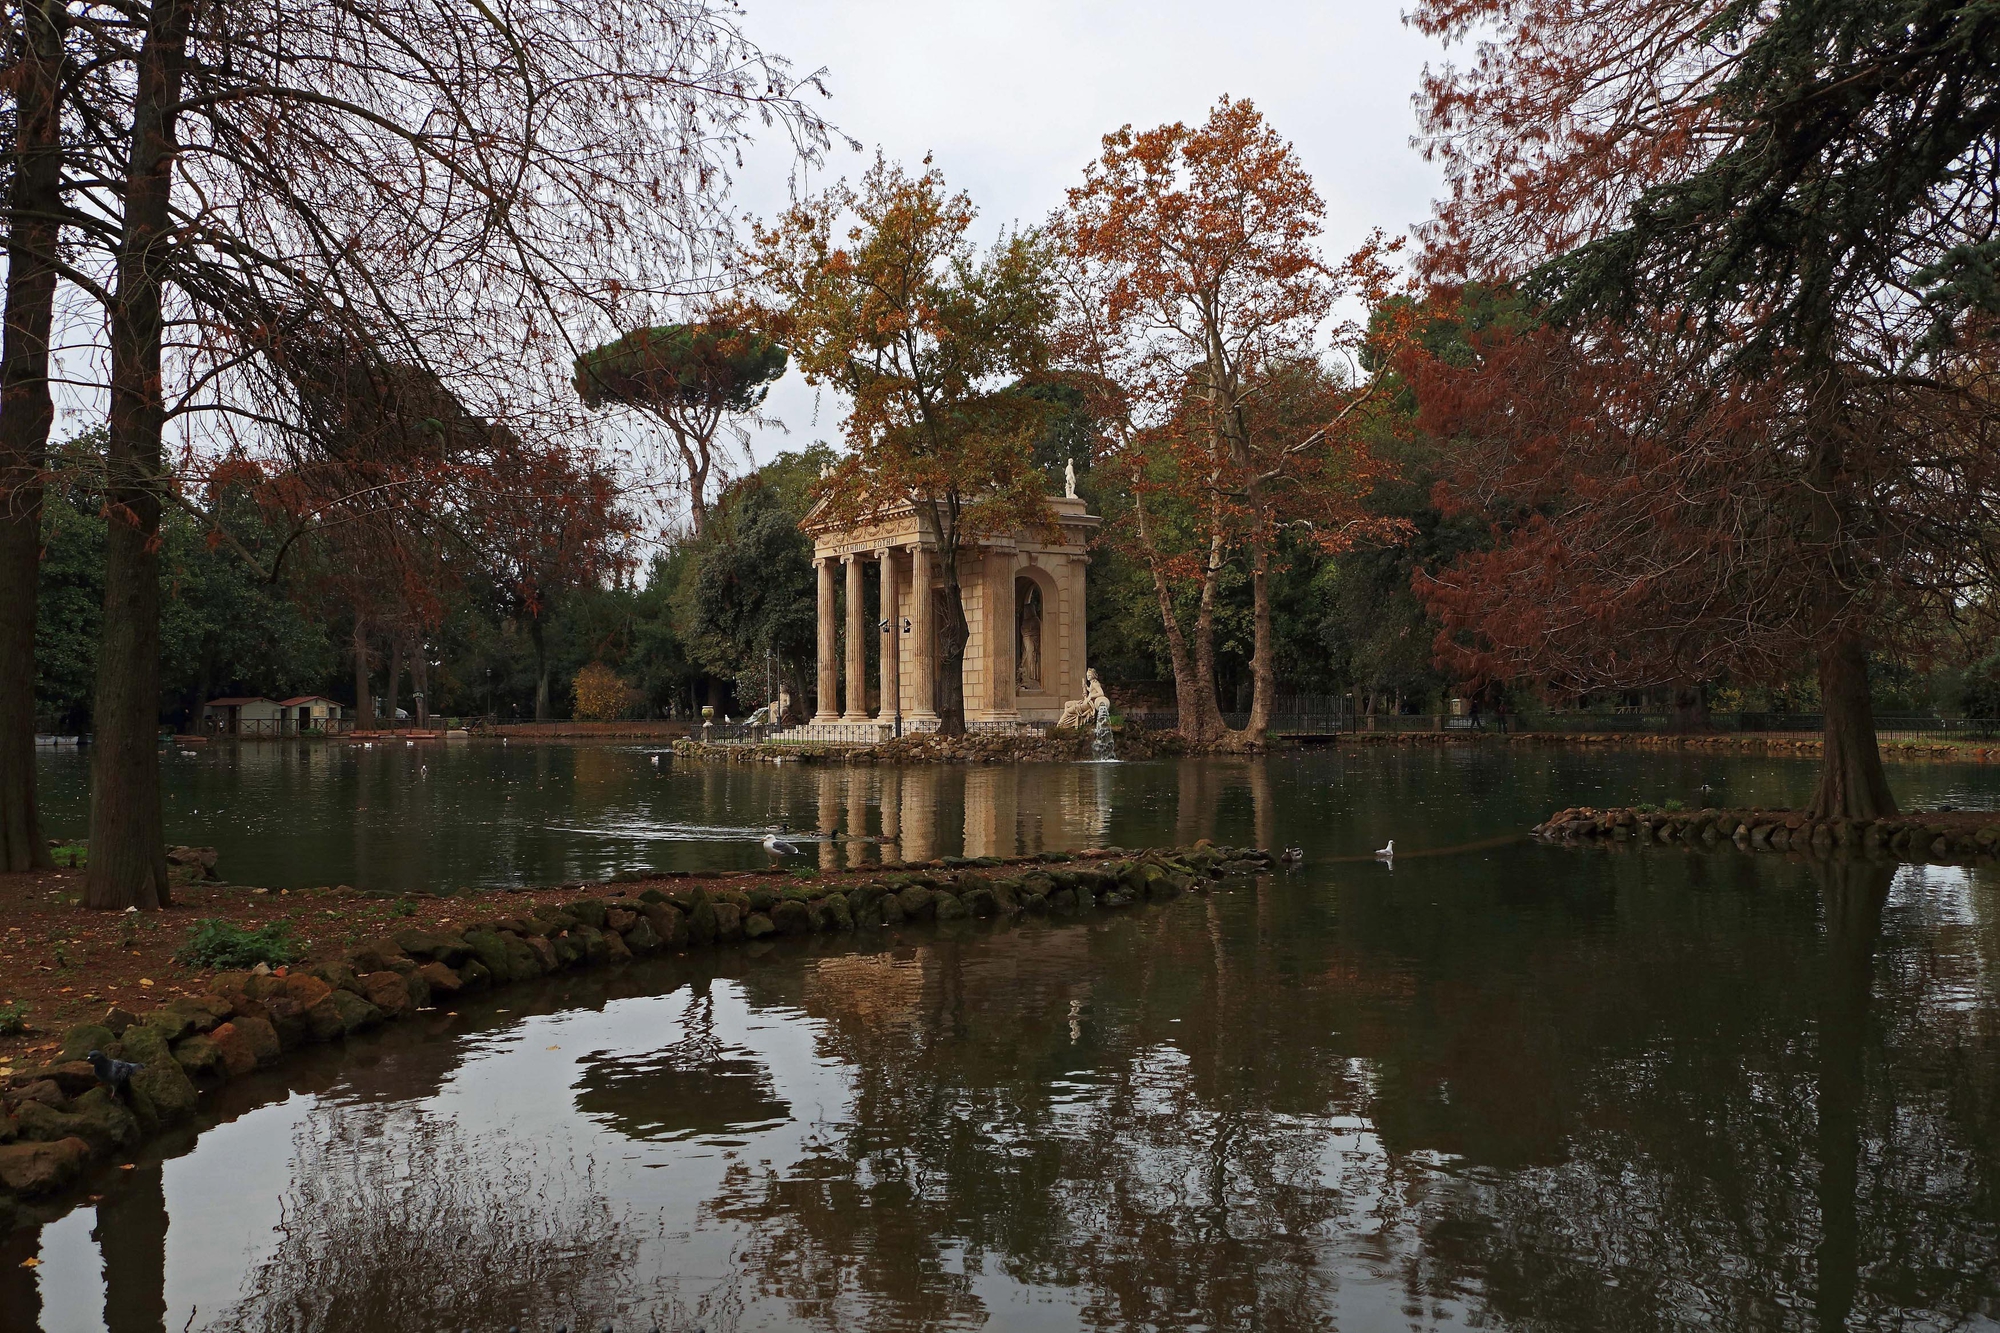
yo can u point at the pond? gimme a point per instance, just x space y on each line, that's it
1492 1085
480 814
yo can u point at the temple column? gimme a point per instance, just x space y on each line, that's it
999 626
923 646
892 638
1079 640
857 646
828 708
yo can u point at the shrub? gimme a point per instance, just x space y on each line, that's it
1674 807
13 1019
600 694
219 944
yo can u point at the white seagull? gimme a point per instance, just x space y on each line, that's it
1387 853
777 846
656 761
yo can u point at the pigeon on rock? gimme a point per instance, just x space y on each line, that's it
114 1074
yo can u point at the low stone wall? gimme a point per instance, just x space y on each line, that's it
978 747
54 1121
1946 836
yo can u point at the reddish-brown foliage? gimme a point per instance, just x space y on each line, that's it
1196 300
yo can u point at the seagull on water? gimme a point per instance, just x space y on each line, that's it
777 846
656 761
1386 853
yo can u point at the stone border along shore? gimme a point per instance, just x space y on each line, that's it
56 1120
977 747
992 748
1949 836
1763 743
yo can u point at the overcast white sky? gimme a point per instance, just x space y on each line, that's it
1012 97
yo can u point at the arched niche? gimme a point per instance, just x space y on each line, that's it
1037 642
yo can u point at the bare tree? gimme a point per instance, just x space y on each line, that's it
454 184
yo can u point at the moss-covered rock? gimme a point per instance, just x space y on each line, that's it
642 939
792 917
505 955
84 1038
669 923
200 1056
839 914
756 926
702 923
949 907
729 921
341 1014
918 903
427 944
590 911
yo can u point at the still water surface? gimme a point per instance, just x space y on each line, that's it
1509 1086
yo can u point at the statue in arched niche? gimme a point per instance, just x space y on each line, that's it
1028 636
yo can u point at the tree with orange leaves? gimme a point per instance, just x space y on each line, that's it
928 338
1196 298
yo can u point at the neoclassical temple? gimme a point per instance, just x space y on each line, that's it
1024 602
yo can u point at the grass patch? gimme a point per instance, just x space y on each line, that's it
70 856
216 943
13 1019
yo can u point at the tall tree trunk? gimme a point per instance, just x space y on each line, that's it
420 682
364 698
953 629
393 689
955 632
128 853
1852 784
1263 670
1208 724
1187 704
541 670
26 412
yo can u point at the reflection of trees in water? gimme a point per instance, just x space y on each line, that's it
1768 1160
1721 1094
401 1221
694 1085
981 1136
